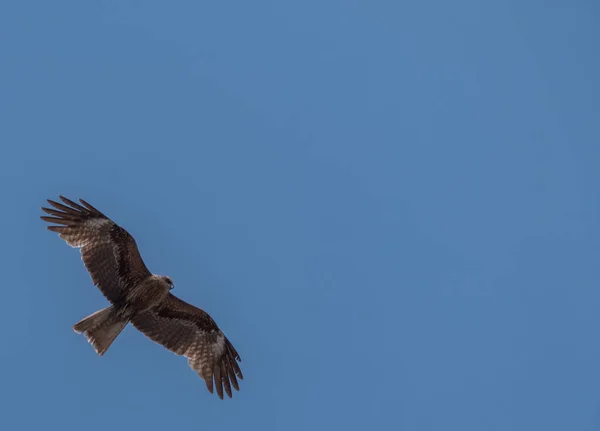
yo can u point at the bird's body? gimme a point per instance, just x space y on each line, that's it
111 256
148 294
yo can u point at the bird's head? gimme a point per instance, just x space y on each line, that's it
168 280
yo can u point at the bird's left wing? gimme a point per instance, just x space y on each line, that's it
189 331
108 251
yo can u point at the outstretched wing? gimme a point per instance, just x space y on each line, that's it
189 331
109 253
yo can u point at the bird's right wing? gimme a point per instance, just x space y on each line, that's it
189 331
108 251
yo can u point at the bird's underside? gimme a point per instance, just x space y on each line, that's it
137 296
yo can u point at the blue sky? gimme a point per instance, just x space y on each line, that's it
390 208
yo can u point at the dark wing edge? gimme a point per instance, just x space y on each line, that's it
70 215
108 251
189 331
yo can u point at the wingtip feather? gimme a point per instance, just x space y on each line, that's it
88 206
72 204
54 220
225 379
218 381
57 229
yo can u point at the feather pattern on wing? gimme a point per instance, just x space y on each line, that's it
108 251
189 331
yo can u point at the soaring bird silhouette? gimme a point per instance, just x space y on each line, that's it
113 260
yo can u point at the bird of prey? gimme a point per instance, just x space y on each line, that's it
111 256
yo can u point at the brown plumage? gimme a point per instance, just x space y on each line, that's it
113 260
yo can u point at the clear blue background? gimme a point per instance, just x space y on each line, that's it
391 209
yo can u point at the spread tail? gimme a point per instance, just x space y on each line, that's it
101 328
